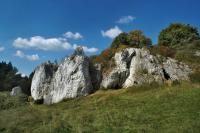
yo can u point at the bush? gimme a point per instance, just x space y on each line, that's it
177 35
121 39
105 59
134 38
164 51
195 45
195 77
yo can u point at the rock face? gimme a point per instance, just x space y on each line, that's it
137 66
16 91
76 76
68 80
42 81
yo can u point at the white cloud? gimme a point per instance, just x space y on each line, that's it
19 54
23 75
42 43
72 35
111 33
86 49
46 44
2 49
126 19
33 57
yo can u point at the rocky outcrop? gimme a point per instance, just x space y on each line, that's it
119 74
137 66
41 82
68 80
16 91
76 76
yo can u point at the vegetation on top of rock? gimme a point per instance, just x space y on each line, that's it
177 35
135 38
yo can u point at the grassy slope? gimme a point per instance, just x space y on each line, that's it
162 109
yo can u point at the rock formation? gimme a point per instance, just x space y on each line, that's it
75 76
16 91
136 66
68 80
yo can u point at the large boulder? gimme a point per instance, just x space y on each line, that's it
137 66
72 79
16 91
41 82
69 79
119 74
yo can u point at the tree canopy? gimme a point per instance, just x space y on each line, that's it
135 38
177 34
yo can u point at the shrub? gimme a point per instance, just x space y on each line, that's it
138 39
163 50
135 38
195 77
105 59
195 45
177 34
121 39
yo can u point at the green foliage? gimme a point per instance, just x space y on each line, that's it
177 35
9 78
134 38
195 77
195 45
163 50
121 39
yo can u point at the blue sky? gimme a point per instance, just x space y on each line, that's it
34 31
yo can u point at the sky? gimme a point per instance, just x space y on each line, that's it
34 31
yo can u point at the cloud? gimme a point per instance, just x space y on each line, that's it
42 43
86 49
47 44
2 49
126 19
111 33
33 57
72 35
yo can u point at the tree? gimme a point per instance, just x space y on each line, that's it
134 38
138 39
121 39
177 34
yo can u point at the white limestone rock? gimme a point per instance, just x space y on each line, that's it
41 82
72 79
16 91
137 66
68 80
118 75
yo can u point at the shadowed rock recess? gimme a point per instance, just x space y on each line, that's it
76 76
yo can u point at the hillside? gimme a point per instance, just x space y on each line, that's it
149 108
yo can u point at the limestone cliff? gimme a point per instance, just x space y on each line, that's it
76 76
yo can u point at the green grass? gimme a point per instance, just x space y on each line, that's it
149 108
